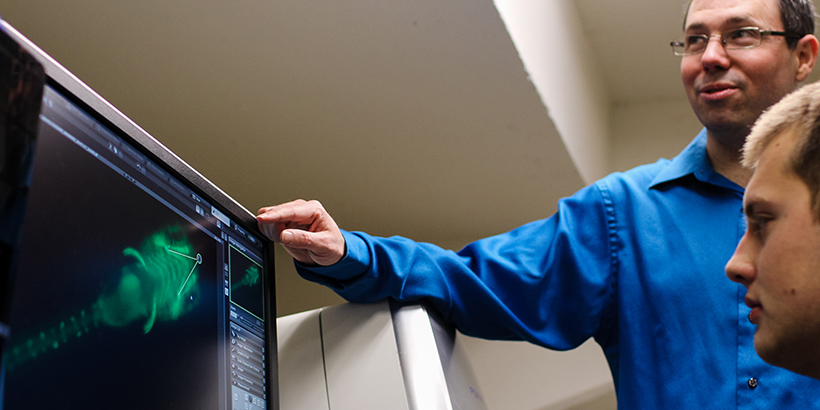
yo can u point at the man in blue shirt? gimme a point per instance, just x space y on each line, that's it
778 258
636 259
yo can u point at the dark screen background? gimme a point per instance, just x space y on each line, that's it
81 217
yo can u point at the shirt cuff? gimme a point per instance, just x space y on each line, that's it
355 262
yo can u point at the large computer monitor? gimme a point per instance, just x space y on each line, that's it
139 284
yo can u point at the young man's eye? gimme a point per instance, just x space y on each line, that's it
758 226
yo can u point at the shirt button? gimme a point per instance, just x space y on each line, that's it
752 383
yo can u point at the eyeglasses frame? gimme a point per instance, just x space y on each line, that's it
762 32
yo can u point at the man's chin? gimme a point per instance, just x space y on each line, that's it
775 353
764 348
725 116
726 124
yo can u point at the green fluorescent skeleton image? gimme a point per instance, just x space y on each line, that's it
250 278
160 284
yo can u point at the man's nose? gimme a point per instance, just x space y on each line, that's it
715 55
741 266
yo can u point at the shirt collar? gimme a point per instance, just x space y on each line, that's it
693 160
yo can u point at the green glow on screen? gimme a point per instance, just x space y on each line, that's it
251 278
160 284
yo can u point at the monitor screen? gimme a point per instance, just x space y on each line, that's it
134 289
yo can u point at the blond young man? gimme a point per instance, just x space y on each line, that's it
778 258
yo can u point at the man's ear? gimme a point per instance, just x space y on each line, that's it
806 54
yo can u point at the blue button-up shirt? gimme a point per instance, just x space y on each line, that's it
635 260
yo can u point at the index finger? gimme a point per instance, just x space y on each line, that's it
295 211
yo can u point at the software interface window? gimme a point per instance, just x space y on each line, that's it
129 278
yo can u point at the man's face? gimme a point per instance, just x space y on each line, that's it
778 260
729 89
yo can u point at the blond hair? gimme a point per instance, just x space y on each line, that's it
800 111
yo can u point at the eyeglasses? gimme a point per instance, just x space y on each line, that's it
745 37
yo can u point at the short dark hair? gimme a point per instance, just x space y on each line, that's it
797 17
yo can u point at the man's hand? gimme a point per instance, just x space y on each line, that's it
305 230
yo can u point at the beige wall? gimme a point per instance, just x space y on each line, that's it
645 131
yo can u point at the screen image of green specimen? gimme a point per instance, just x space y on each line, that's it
160 284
